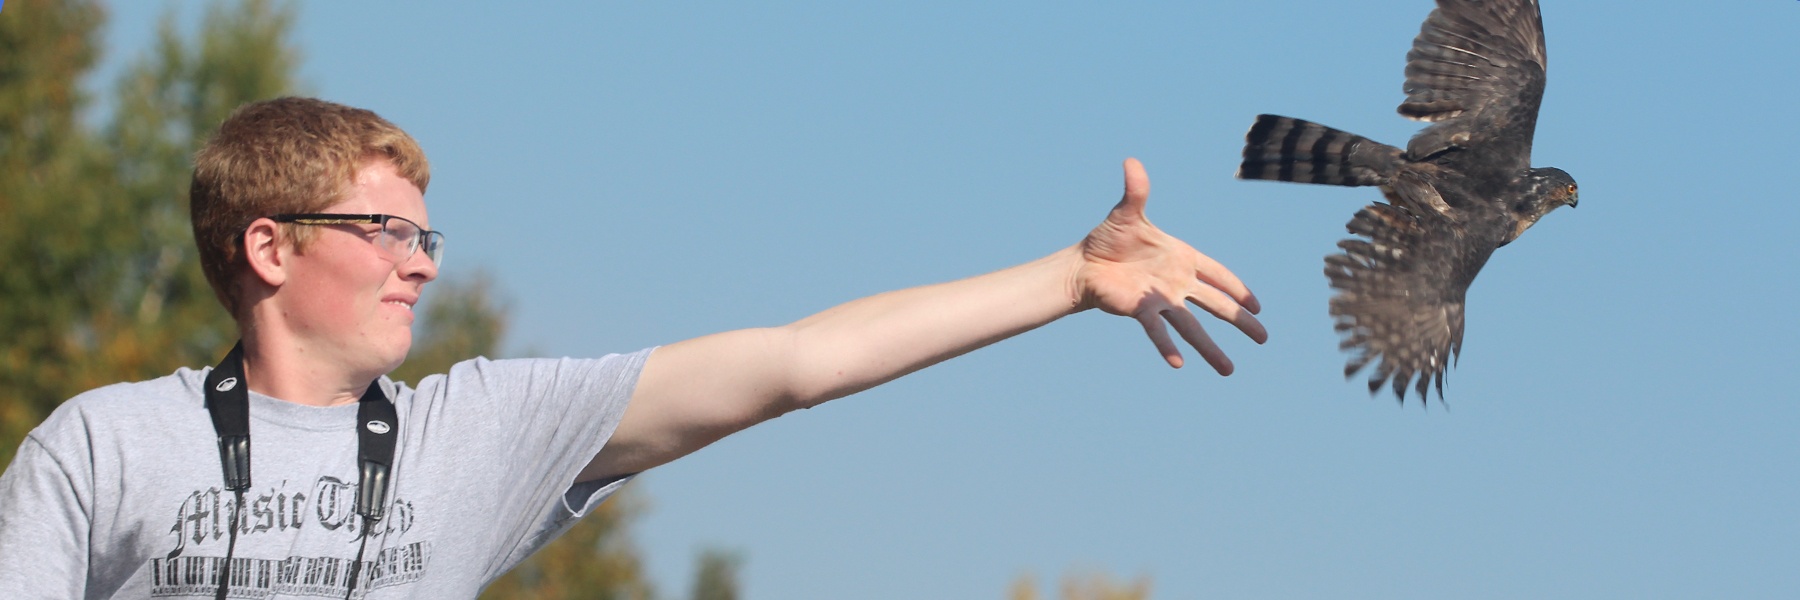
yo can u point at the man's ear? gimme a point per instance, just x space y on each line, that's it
266 252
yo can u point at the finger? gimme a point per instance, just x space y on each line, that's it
1216 275
1189 327
1159 335
1228 310
1137 188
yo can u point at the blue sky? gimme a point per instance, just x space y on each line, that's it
1622 424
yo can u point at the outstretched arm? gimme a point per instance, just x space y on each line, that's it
695 392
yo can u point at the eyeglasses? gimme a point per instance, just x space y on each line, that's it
399 236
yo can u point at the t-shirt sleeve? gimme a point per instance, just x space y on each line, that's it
43 525
526 428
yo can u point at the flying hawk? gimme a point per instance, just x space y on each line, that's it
1463 187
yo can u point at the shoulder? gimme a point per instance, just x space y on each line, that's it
183 385
484 376
139 406
481 388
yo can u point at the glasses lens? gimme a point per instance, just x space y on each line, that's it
400 237
434 247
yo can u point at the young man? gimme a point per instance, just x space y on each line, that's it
312 228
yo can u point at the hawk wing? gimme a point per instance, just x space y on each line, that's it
1476 71
1400 292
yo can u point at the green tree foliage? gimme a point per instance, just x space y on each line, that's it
717 576
49 209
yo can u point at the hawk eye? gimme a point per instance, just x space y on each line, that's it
1571 188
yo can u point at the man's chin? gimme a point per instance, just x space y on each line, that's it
398 357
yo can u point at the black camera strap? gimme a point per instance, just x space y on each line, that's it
228 401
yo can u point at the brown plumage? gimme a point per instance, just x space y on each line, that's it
1463 187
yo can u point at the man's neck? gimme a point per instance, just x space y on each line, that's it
292 373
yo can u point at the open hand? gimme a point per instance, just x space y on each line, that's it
1131 268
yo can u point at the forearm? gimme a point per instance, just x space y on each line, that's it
873 340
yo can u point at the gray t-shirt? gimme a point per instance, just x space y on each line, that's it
120 493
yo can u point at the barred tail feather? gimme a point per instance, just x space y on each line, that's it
1287 149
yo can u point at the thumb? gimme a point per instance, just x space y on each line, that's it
1137 189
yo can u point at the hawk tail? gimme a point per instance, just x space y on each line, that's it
1287 149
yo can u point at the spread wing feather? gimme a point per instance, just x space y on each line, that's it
1399 302
1476 71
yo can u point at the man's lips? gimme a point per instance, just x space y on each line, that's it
405 302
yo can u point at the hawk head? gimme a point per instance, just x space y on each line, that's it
1546 189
